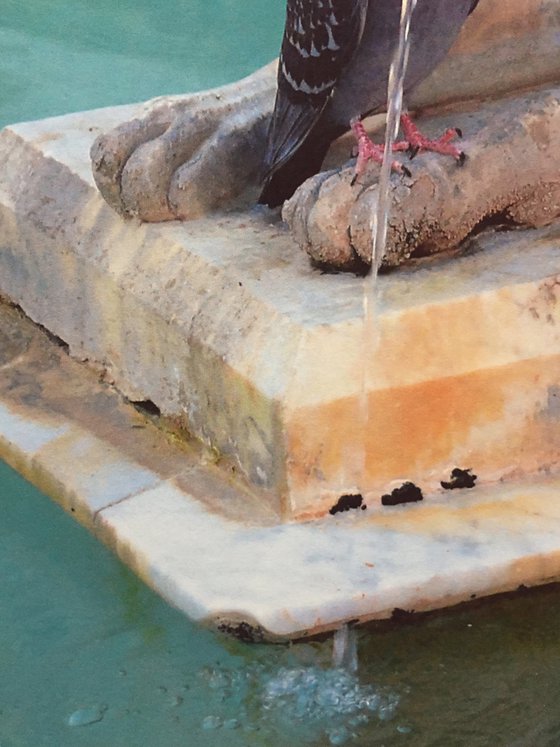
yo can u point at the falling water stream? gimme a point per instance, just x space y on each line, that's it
397 72
344 643
345 649
380 218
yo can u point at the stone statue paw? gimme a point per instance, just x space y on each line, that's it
188 155
511 178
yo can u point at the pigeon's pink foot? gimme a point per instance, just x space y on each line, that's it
418 142
370 151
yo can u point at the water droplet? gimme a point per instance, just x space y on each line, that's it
211 722
387 710
358 720
372 702
231 723
86 716
339 736
404 729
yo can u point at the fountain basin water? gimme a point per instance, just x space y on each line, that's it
223 325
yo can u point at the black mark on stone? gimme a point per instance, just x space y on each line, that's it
407 493
243 631
147 407
346 502
460 478
399 614
56 339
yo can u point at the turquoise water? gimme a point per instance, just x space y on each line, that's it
59 56
88 655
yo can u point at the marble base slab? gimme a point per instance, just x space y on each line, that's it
170 514
224 325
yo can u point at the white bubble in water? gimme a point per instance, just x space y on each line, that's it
404 729
339 736
86 716
232 723
387 710
175 701
372 702
211 722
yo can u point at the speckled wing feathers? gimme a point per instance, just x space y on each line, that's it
319 39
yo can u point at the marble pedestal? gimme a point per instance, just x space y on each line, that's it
228 330
224 326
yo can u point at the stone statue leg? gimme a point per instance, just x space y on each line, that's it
193 154
511 178
187 155
500 86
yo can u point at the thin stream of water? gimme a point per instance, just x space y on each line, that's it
380 218
345 649
395 89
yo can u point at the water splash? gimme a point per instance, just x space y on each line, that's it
381 215
294 703
331 701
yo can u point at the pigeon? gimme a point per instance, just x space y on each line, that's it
333 70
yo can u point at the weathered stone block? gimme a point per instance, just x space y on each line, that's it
223 324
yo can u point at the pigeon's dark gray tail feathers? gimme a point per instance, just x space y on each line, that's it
282 182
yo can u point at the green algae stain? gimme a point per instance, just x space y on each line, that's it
139 609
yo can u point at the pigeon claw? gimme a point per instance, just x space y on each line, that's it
370 151
413 151
418 142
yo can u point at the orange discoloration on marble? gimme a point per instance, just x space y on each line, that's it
463 334
425 341
459 518
419 426
498 421
536 569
